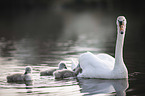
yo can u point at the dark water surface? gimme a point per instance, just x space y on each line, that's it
42 37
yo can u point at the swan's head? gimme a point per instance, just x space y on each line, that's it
62 65
121 23
28 69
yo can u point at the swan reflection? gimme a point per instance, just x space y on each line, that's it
99 86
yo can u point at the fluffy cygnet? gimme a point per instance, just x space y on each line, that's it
50 71
65 73
18 77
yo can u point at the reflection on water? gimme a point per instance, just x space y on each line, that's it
98 86
42 36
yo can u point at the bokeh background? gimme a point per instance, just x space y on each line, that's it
21 18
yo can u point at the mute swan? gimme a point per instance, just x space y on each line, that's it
21 77
50 71
104 65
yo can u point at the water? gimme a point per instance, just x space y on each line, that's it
42 54
41 38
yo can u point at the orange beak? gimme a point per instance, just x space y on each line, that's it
122 27
121 24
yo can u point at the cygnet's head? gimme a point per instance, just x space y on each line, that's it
62 65
121 23
28 69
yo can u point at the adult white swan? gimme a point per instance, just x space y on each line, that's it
104 65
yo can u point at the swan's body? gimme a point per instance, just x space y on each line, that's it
104 65
18 77
50 71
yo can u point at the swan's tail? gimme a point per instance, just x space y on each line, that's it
74 64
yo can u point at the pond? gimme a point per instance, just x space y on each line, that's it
43 54
42 39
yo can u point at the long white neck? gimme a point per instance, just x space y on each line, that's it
119 66
119 49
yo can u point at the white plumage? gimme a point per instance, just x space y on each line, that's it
103 65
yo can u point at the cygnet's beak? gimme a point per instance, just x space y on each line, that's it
65 67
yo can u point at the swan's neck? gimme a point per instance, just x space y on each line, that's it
120 70
119 67
119 49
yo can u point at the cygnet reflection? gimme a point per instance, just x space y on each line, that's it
29 86
99 86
